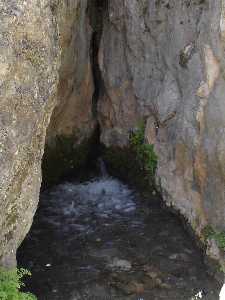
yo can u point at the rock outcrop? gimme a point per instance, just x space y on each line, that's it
45 73
163 61
73 112
29 52
72 123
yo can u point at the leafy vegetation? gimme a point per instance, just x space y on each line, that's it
11 284
146 157
218 236
135 163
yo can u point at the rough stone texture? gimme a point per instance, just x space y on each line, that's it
73 113
44 68
164 61
72 123
29 51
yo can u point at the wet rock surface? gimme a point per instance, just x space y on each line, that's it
164 61
72 123
72 115
102 240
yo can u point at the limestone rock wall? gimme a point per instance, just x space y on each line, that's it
72 123
163 61
29 51
72 115
46 86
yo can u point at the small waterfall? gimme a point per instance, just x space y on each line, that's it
102 167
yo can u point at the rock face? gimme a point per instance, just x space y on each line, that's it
73 112
72 123
44 66
164 61
29 52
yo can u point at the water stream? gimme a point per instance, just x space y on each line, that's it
101 239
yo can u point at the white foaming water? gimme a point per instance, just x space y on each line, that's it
103 169
222 293
69 204
86 233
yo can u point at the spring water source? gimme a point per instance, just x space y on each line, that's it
101 239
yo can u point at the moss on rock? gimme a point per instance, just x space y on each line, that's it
219 236
135 163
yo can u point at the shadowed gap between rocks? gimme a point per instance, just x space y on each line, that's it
96 12
69 157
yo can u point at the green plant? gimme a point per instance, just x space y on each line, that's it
146 157
11 284
218 236
208 232
220 239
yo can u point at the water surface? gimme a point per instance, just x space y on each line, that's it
102 240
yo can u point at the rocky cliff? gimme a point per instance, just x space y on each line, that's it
161 61
72 122
44 73
29 53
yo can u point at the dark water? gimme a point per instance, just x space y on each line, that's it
102 240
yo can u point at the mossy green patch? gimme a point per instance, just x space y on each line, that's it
136 162
218 236
183 59
11 284
146 157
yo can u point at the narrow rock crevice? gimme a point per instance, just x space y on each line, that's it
96 13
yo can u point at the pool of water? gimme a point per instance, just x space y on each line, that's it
101 239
